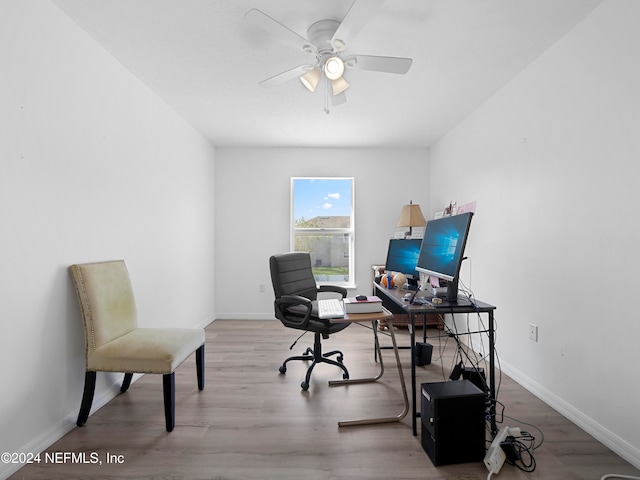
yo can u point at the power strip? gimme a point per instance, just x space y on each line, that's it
495 457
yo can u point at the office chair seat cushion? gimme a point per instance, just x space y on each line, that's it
325 326
146 350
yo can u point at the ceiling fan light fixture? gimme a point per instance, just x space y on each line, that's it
311 79
339 85
334 68
339 45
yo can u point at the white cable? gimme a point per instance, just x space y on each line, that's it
615 475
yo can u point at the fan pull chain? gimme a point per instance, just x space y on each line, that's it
326 96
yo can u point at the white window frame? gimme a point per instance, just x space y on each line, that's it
349 282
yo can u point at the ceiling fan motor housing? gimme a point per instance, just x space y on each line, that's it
320 34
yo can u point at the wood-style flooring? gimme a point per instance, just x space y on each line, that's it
250 422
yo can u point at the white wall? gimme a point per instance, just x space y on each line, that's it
93 166
253 220
552 160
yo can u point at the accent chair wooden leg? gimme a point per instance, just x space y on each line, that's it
169 389
200 366
87 397
126 382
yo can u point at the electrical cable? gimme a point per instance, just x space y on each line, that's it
528 424
615 475
524 444
476 357
441 350
519 449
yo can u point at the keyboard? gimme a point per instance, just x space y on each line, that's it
330 308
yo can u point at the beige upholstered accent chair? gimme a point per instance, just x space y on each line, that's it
114 343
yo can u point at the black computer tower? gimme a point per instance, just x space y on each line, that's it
453 422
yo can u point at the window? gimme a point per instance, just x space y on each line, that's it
322 224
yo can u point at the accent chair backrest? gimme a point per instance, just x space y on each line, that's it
106 301
291 274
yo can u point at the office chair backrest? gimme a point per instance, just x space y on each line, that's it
106 298
291 274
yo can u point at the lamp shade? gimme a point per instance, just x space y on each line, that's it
311 79
339 85
411 216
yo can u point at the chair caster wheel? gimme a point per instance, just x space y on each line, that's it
340 358
283 369
304 386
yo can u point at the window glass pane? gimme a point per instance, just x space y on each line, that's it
329 254
322 202
322 224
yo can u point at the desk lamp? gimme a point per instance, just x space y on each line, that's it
411 216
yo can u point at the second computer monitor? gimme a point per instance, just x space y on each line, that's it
402 256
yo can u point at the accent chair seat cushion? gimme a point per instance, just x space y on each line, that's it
146 350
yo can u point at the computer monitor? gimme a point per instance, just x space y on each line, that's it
442 250
402 256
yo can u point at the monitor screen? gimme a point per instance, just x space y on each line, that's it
402 256
443 245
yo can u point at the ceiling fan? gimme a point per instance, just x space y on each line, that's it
328 41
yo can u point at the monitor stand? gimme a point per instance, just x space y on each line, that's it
448 293
452 291
447 296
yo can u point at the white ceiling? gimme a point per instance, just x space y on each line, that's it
205 60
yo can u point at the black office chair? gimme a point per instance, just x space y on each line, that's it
295 306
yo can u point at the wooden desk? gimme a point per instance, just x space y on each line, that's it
374 318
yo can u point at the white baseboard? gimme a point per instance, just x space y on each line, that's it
600 433
64 426
59 430
206 322
245 316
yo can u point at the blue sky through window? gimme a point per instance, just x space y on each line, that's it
315 197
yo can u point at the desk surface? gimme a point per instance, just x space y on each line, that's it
397 295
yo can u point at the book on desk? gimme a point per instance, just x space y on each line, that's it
372 304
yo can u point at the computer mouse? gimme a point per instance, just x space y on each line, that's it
361 298
407 296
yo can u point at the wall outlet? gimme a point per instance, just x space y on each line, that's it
533 332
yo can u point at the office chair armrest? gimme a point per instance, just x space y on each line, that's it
333 288
298 315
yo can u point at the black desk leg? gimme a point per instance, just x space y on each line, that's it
412 324
492 379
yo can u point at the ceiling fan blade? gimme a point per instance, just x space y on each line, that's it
399 65
358 15
279 30
285 76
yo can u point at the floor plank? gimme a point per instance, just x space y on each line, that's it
251 422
